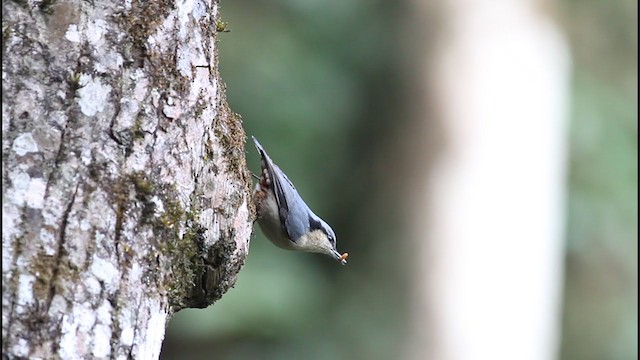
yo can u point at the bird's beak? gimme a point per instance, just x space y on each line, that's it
341 258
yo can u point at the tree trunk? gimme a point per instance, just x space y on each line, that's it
125 191
486 201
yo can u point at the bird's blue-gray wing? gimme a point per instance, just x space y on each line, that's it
296 217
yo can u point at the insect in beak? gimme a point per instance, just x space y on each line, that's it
343 258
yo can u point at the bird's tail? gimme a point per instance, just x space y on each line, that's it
258 146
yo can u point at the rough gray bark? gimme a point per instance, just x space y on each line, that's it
125 190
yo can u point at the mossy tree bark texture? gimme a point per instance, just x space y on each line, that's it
125 191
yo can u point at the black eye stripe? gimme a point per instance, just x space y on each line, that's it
330 236
315 224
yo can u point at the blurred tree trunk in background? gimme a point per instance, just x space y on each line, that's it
125 190
492 103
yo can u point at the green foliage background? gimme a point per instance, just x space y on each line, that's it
324 78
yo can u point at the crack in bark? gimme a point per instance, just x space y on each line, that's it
14 284
57 160
120 209
118 108
110 132
11 130
9 321
55 346
135 330
116 330
61 242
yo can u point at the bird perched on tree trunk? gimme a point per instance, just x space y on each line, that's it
285 218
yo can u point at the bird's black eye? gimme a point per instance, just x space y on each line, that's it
330 236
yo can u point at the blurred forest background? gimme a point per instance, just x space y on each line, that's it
321 84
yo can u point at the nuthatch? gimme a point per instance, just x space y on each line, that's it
285 218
